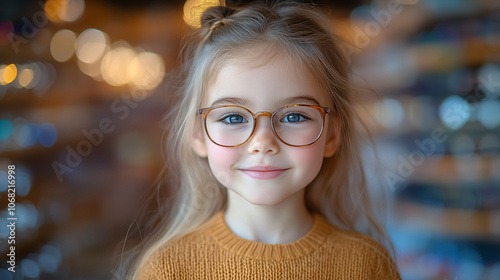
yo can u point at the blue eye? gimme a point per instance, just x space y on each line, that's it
233 119
294 118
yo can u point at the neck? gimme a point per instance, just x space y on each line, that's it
282 223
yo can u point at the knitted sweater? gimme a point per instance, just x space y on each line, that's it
325 252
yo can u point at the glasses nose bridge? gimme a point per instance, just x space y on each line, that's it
256 121
262 113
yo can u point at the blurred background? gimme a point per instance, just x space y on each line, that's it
82 95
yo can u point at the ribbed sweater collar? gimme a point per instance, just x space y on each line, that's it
320 230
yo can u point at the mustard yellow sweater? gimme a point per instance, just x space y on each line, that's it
215 252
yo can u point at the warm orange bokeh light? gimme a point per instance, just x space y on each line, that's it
146 71
193 9
115 63
62 45
64 10
91 45
25 77
7 74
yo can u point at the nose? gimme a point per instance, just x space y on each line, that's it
263 139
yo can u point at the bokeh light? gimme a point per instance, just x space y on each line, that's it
25 135
74 9
488 113
193 9
146 71
389 113
64 10
115 63
53 8
23 182
37 75
25 77
62 45
50 258
30 268
28 216
5 129
7 74
454 112
91 45
47 77
47 134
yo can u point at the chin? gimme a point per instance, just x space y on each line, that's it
264 199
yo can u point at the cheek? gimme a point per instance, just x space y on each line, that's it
221 161
309 157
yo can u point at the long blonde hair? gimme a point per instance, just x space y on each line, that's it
188 195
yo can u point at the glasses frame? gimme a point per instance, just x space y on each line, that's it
322 110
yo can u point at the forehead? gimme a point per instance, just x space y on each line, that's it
263 82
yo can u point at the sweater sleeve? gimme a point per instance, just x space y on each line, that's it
385 268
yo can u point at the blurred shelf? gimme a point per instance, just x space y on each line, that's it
471 197
26 99
448 170
448 222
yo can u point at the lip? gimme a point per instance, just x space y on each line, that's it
263 172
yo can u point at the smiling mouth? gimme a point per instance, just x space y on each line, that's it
264 172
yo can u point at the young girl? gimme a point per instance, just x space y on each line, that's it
265 176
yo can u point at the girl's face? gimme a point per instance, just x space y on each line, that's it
264 170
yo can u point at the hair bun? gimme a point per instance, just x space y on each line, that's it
213 15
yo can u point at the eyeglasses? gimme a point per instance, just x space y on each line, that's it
295 125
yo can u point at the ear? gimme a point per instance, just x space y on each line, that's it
333 139
198 143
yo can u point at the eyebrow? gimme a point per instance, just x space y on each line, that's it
231 100
302 99
242 101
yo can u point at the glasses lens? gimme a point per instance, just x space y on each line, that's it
299 125
229 126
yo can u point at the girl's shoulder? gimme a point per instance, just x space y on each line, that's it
177 252
353 240
354 247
